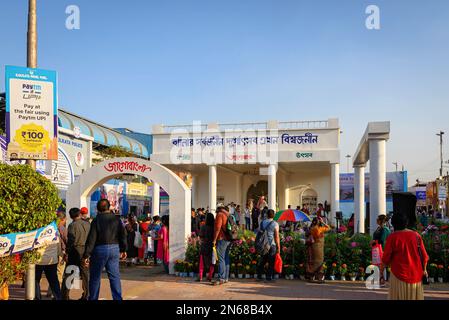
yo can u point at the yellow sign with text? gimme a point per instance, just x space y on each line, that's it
32 138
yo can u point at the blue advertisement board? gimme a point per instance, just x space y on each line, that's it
31 113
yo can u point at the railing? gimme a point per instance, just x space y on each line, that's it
186 127
282 125
320 124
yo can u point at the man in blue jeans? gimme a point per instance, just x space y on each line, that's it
223 245
106 245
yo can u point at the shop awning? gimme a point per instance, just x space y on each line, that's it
101 134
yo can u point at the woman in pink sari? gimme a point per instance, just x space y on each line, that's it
162 243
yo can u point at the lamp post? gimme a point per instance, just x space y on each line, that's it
441 152
30 292
396 165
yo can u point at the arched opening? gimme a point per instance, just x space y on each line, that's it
255 191
309 199
179 207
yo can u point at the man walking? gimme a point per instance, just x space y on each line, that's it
62 250
78 231
271 228
223 245
105 246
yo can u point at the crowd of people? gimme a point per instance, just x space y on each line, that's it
87 247
90 246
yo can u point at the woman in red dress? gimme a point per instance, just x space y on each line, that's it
407 256
144 226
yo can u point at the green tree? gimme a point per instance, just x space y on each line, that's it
28 201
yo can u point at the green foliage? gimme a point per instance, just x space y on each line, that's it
28 200
13 267
114 152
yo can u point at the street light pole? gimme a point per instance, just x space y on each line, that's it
348 156
441 152
31 63
396 164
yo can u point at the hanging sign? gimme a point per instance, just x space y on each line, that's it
24 241
31 113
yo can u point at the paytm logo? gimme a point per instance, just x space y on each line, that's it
31 88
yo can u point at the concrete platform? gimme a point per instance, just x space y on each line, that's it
150 283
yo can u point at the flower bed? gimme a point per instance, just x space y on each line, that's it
344 256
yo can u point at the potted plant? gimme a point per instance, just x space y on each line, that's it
432 272
289 269
333 270
343 271
440 273
361 274
240 270
247 272
232 271
185 271
301 271
254 268
352 272
178 267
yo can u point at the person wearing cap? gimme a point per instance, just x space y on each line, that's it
84 214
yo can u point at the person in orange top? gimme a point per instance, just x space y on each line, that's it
407 256
316 250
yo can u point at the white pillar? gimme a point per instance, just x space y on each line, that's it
193 190
212 188
272 187
287 198
155 207
243 192
239 194
377 177
335 191
359 199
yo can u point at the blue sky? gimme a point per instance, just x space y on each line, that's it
137 63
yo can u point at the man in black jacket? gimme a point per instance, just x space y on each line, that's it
105 246
78 231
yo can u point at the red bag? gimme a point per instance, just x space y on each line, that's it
376 254
278 263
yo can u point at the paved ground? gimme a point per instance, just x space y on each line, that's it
150 283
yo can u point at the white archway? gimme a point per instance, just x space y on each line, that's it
79 192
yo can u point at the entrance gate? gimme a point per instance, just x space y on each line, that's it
78 195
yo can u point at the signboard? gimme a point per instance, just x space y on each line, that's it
3 157
395 181
442 192
246 146
31 113
420 196
59 172
24 241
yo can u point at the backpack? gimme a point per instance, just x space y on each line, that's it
232 229
263 245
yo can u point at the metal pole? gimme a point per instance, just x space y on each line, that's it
31 63
396 164
441 152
